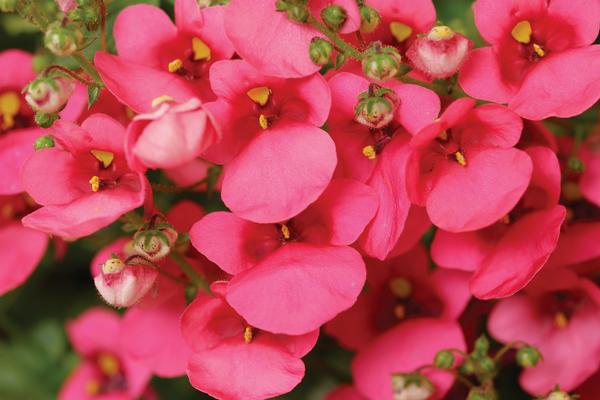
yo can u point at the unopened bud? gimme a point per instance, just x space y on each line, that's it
44 142
49 95
122 285
62 41
482 346
479 393
296 10
154 244
334 16
528 356
440 54
411 387
576 164
444 359
320 51
8 5
558 394
376 107
45 120
381 63
66 5
369 19
486 366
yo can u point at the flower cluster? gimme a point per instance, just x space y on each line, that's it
379 178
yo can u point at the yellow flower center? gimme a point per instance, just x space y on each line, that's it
263 121
561 320
400 31
521 32
105 157
201 50
108 364
92 387
401 288
285 231
248 334
95 183
460 158
175 65
259 95
539 50
369 152
9 108
440 33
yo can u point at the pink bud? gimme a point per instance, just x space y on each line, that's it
154 244
49 95
440 54
66 5
123 285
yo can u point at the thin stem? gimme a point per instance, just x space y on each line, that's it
463 379
346 48
88 67
196 279
67 71
149 263
506 348
102 9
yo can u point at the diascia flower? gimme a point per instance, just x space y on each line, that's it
83 182
505 256
276 160
464 168
305 262
558 313
105 370
399 290
541 61
232 359
157 58
379 156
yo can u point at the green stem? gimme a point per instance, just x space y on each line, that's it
67 71
88 67
512 345
102 9
196 279
346 48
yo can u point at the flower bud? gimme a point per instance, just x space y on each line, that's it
558 394
334 16
369 19
576 165
49 95
66 5
411 387
155 243
444 359
8 5
320 51
62 41
482 346
440 54
375 108
482 393
381 63
295 9
45 120
528 356
43 142
122 285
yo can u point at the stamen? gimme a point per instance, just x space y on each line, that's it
175 65
400 31
522 32
161 99
285 231
95 183
9 107
105 157
108 364
112 266
443 135
201 50
92 387
440 33
401 288
539 50
560 320
260 95
460 158
248 334
369 152
263 121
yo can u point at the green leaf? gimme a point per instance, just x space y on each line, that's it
93 93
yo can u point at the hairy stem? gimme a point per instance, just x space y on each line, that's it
346 48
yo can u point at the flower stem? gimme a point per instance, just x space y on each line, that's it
102 8
346 48
69 72
196 279
88 67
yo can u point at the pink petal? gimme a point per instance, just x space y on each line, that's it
564 84
589 183
73 387
345 88
544 189
350 139
480 193
452 287
481 77
582 16
492 125
15 148
97 329
518 318
416 225
184 214
463 250
277 46
279 173
21 250
577 244
417 106
418 14
495 19
394 352
17 69
316 282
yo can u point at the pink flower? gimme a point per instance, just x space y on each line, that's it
123 285
540 61
558 313
464 168
276 160
589 182
170 136
232 359
400 290
303 262
505 256
157 58
83 182
379 157
395 351
105 371
274 44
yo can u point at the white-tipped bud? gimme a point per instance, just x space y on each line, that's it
381 63
411 387
49 95
122 285
61 40
376 107
154 244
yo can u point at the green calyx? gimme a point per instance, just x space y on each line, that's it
444 359
320 51
296 10
44 142
45 120
369 19
528 356
334 17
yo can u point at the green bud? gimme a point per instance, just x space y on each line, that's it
467 367
482 346
528 356
444 359
369 19
334 16
381 63
8 5
44 142
297 12
190 293
576 164
479 393
411 386
45 120
375 108
320 51
62 41
485 367
558 394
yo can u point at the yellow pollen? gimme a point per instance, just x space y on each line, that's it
9 107
443 135
441 33
175 65
201 50
560 320
248 334
460 158
105 157
95 183
263 121
522 32
369 152
260 95
161 99
400 31
285 231
92 387
108 364
401 288
538 50
400 311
